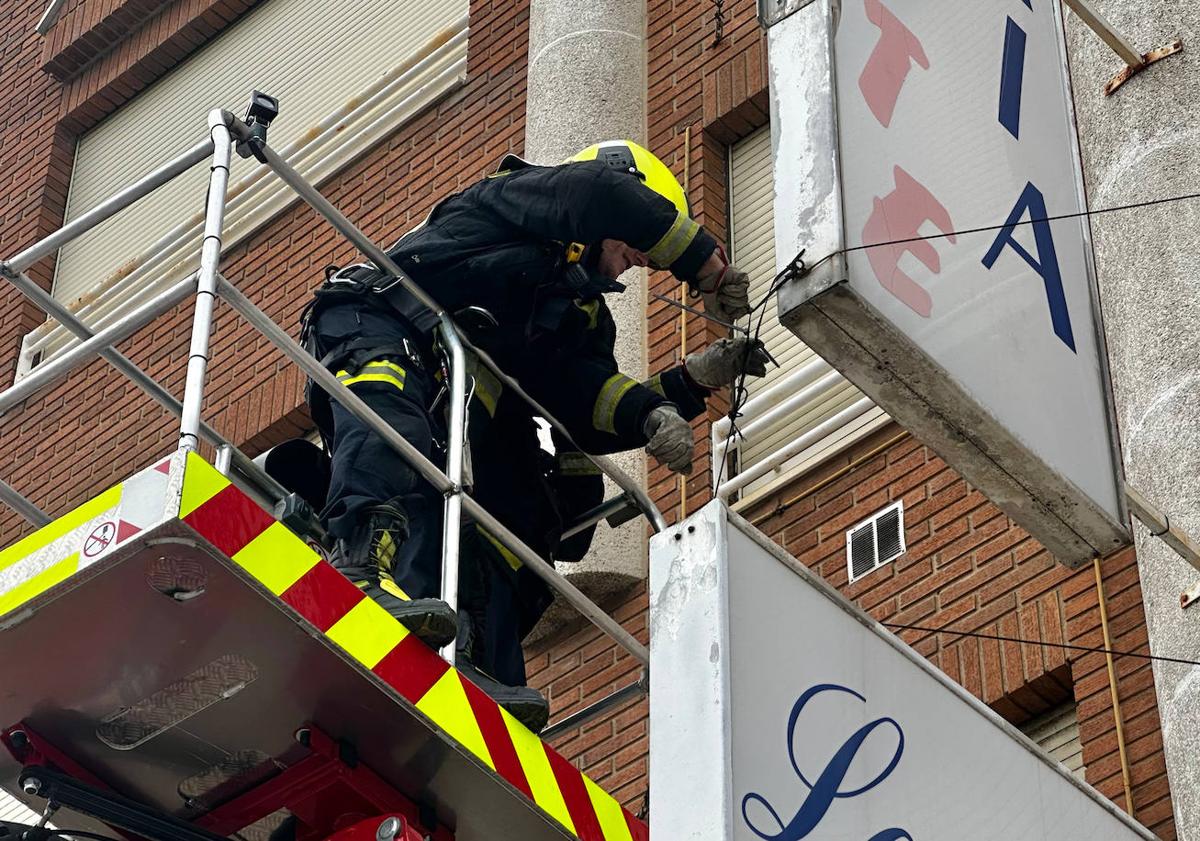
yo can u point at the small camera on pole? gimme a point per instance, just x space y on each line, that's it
262 111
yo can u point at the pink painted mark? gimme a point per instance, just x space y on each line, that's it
887 68
899 215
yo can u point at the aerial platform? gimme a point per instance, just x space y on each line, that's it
169 641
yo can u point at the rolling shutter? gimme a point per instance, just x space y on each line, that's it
346 75
752 241
1057 733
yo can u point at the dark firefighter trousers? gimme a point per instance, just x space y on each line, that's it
366 471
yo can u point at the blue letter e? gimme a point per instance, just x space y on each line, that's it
1046 263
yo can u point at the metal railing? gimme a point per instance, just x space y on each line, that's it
809 384
208 285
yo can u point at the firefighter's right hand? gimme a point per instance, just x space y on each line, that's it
728 296
670 438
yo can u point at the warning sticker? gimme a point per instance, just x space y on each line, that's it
100 539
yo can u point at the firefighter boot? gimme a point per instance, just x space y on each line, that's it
366 559
523 703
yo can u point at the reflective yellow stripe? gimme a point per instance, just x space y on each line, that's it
375 371
655 385
674 242
367 632
201 482
592 308
576 464
40 583
488 387
532 756
505 552
68 522
447 705
277 558
604 413
389 585
608 813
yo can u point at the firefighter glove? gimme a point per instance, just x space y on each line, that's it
720 363
729 298
670 438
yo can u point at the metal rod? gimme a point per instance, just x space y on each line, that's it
355 405
1160 526
44 301
49 17
111 206
206 282
223 460
58 368
795 447
452 520
595 515
1112 687
778 391
15 500
1107 32
582 717
347 228
326 380
545 570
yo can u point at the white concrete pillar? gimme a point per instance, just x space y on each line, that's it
587 83
1144 143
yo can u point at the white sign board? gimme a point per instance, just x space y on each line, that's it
779 711
952 117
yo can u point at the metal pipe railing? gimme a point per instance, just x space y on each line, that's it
112 206
355 405
206 279
58 368
15 500
633 691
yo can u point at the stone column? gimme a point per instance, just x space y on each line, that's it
587 83
1144 143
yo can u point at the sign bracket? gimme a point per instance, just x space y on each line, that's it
1135 61
1160 526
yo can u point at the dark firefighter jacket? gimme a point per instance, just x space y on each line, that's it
500 244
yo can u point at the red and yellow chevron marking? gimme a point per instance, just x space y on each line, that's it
287 567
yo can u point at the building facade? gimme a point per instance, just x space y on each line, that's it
388 107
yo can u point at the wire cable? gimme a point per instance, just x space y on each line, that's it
1068 646
797 269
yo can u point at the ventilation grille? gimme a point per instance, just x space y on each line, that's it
875 542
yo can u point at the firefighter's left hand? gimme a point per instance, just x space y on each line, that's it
719 364
670 438
729 295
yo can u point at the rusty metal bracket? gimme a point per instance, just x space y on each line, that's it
1135 61
1160 526
1149 58
1190 596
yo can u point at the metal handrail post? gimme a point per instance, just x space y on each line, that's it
277 336
15 500
452 519
378 256
46 302
111 206
58 368
206 282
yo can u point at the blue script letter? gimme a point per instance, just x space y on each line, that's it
826 789
1012 77
1046 264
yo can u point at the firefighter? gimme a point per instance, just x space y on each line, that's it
523 258
538 495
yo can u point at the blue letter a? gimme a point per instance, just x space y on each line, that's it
1046 264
